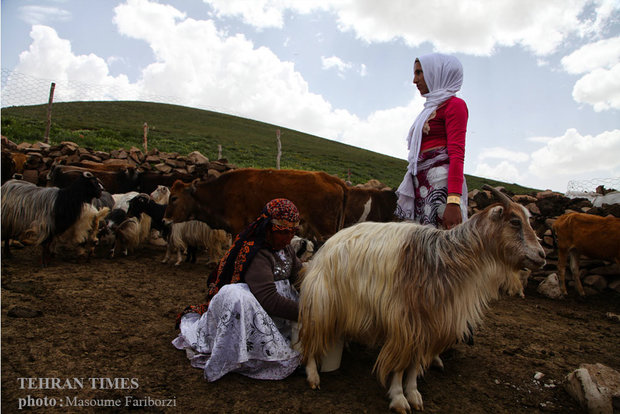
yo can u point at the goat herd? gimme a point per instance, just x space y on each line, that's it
413 290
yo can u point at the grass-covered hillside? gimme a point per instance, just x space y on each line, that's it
172 128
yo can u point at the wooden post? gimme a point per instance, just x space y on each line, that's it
146 133
219 152
46 139
279 149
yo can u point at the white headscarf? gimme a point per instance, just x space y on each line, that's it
443 75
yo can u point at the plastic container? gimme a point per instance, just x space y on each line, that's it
331 361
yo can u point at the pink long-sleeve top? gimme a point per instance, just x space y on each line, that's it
446 127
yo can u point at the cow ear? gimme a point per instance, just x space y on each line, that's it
192 188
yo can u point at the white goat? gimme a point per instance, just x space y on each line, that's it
304 248
161 194
412 289
189 235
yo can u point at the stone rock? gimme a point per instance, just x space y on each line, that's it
596 281
197 158
550 287
533 208
595 386
615 285
24 145
163 167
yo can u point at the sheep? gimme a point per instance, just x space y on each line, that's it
412 289
304 248
83 234
122 200
50 210
161 194
579 233
189 235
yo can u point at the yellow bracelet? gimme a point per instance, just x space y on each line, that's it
454 200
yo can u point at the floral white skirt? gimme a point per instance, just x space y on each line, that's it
237 335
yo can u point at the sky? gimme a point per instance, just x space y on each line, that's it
541 78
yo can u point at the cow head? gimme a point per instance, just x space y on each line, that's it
180 203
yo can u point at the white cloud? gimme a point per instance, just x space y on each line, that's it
503 171
572 155
602 54
599 88
43 14
337 63
462 26
503 153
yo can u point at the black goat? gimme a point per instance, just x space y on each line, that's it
44 211
142 203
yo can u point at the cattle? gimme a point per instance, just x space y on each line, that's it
369 204
593 236
49 210
233 200
114 181
415 290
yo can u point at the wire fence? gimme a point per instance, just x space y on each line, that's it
587 188
21 89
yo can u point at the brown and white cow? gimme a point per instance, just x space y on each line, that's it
369 204
236 198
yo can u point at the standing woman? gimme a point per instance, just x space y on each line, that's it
245 326
434 191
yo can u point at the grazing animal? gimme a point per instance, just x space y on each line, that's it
127 236
161 194
50 210
369 204
143 204
411 289
579 233
122 200
114 181
82 236
106 200
304 248
190 235
233 200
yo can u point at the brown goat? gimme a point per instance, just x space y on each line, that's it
593 236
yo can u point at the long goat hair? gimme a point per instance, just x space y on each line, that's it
411 289
194 233
49 211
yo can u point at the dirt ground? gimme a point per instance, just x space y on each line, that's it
114 319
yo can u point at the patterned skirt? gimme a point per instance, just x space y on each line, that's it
237 335
430 190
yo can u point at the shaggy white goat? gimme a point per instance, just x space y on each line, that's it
82 236
412 289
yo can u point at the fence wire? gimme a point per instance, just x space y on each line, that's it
21 89
581 188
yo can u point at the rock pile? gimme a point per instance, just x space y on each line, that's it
34 161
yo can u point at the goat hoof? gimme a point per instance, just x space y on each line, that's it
415 399
400 405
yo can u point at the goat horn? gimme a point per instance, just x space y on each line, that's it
501 196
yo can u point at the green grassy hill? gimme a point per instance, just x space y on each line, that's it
107 126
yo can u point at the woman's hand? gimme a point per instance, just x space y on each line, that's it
451 216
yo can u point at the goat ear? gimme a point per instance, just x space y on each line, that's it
496 213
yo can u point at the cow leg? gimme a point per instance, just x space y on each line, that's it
574 268
312 374
398 402
411 387
562 270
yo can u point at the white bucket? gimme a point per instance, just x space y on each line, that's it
331 361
